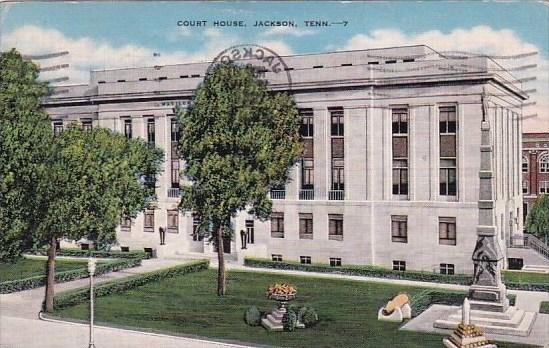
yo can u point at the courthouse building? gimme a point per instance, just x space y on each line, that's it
390 172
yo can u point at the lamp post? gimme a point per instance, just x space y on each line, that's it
91 270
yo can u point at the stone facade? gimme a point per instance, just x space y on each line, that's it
360 213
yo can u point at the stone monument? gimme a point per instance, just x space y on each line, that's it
467 335
490 308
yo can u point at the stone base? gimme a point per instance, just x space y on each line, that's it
513 321
449 344
488 298
273 321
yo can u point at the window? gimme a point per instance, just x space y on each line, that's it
399 228
173 221
447 231
307 174
400 151
335 226
525 164
306 128
148 224
57 127
336 116
305 259
150 130
544 187
276 257
250 231
447 268
335 261
175 173
142 79
448 149
305 226
174 130
277 225
128 128
124 249
84 246
338 175
197 236
525 186
544 163
399 265
86 124
125 224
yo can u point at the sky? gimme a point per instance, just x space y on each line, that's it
119 34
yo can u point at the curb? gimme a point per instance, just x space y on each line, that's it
44 317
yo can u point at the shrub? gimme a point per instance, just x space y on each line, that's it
81 295
61 277
544 307
289 320
309 317
99 253
379 272
252 316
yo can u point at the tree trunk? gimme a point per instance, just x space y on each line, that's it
50 276
221 264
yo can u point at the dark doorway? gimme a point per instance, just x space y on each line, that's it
227 245
515 263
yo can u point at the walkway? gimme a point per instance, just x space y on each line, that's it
21 328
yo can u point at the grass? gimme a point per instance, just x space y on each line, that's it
188 305
25 268
526 277
544 307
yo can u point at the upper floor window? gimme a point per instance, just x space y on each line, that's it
174 129
525 164
447 230
544 163
525 186
447 120
306 129
544 187
128 128
337 121
150 130
400 121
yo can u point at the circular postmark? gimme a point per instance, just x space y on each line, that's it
262 59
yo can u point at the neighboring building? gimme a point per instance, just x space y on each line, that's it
390 175
535 168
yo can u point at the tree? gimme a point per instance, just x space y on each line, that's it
537 222
94 178
25 134
238 140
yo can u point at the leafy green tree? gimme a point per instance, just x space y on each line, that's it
537 222
238 140
25 139
94 178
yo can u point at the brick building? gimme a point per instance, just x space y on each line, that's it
535 168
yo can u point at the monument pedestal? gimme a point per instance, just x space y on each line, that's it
514 321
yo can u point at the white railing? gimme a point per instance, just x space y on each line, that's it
307 194
173 192
336 195
530 241
278 194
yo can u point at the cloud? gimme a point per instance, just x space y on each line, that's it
279 47
86 54
288 31
481 40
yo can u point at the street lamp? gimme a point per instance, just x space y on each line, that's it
91 271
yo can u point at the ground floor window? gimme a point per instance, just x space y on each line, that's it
148 225
124 248
335 261
277 225
447 268
276 257
305 259
399 265
335 227
447 230
250 231
305 226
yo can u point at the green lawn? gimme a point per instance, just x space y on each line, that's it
25 268
188 305
526 277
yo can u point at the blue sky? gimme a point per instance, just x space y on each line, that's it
149 24
119 34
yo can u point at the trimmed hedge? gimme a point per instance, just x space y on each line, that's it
544 307
61 277
81 295
379 272
116 254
